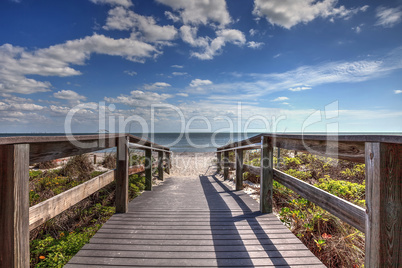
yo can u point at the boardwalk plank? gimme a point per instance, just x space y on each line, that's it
194 222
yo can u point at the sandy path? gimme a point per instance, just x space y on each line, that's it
190 164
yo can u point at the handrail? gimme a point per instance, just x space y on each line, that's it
382 154
16 153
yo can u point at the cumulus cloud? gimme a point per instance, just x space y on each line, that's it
138 98
124 3
199 82
55 60
388 17
199 12
211 47
280 99
177 66
157 85
20 107
398 91
68 95
255 45
288 13
143 27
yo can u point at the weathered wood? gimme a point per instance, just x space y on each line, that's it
50 208
278 158
45 148
384 205
239 169
167 160
346 211
122 162
160 165
346 147
14 205
266 176
226 165
218 162
148 170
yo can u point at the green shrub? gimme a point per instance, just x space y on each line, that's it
350 191
301 175
35 174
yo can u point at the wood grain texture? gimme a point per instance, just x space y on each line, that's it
148 170
194 222
50 208
14 205
160 165
266 175
122 162
239 169
384 205
346 211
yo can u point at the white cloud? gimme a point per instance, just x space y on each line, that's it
68 95
172 16
157 85
388 17
20 107
200 12
398 91
177 66
357 29
198 82
143 27
179 73
125 3
299 88
277 55
255 45
211 47
253 32
130 73
288 13
55 60
182 94
138 98
281 99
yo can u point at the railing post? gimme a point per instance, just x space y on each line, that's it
278 159
14 205
226 165
218 163
267 174
122 159
148 169
167 159
160 165
239 169
383 202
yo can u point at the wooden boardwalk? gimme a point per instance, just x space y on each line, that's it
194 222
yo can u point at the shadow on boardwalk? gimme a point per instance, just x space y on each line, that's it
216 202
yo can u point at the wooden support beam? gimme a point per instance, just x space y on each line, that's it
160 165
148 170
122 159
14 206
239 169
52 207
218 162
267 174
384 204
226 165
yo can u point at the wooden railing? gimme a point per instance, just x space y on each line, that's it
16 153
381 221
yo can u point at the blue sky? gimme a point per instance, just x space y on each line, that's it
274 65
